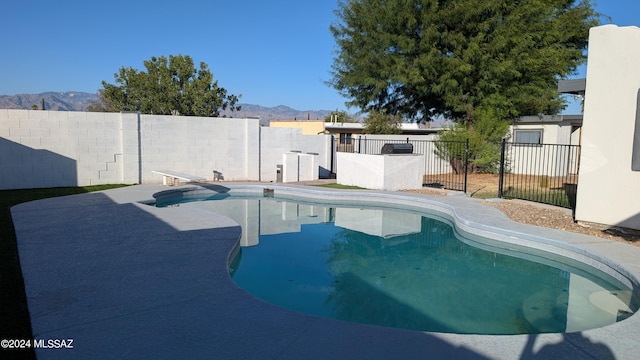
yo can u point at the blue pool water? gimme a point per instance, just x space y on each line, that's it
409 270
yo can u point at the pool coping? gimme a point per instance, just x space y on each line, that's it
69 295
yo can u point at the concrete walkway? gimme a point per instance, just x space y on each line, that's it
125 280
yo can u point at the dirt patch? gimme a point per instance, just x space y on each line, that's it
482 185
486 185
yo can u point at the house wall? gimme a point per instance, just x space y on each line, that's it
59 148
561 132
343 128
553 159
308 127
608 189
549 132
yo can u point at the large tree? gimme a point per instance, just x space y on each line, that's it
381 123
167 87
427 58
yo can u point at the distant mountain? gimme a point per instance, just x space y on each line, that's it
279 112
78 101
59 101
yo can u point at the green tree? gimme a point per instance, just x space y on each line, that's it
340 116
381 123
427 58
171 86
100 104
484 142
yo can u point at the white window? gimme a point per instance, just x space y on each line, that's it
528 136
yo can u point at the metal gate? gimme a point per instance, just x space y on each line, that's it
545 173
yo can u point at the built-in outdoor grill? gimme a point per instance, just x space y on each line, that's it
403 148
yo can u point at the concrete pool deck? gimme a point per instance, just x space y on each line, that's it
128 280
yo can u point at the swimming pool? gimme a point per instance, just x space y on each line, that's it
375 264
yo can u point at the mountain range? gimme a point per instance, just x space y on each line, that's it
78 101
59 101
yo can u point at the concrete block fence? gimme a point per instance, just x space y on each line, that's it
60 148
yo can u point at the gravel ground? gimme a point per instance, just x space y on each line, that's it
558 218
531 213
527 212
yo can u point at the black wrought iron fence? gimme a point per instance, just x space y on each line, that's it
545 173
438 172
363 145
446 164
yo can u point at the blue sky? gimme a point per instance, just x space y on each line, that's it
276 52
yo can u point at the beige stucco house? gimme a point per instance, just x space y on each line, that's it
308 127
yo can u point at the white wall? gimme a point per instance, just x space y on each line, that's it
382 172
60 148
608 190
278 141
198 146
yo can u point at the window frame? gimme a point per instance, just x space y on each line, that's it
345 138
540 138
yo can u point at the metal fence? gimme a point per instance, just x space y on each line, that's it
447 174
545 173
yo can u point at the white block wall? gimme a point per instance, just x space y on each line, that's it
278 141
198 146
59 148
130 148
